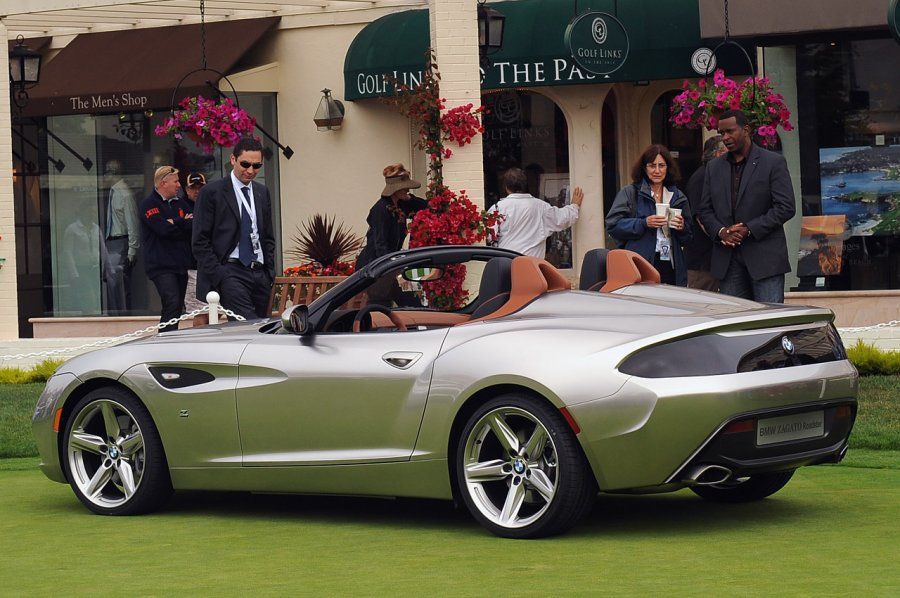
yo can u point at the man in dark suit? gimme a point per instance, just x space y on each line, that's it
233 240
747 198
698 251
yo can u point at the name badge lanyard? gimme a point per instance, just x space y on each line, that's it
254 232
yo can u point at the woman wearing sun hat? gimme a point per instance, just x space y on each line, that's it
387 218
387 225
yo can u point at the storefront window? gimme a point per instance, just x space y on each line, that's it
850 165
528 131
686 145
96 254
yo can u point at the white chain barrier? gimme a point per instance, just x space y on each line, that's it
890 324
213 309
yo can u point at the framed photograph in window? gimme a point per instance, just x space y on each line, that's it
554 189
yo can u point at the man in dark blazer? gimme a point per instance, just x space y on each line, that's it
166 236
747 198
233 240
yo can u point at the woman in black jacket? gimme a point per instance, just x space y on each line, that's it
387 228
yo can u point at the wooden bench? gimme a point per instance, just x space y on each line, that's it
298 289
306 289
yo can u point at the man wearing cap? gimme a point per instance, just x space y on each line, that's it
387 227
195 181
122 238
166 232
233 239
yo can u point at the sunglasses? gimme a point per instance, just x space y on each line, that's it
255 165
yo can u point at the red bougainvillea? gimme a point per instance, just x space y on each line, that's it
461 124
451 219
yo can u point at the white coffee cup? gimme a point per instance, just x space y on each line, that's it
672 212
662 209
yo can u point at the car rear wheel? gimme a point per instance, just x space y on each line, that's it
113 456
520 469
747 489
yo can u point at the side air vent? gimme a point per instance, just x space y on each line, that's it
178 377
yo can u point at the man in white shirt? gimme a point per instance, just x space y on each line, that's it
526 220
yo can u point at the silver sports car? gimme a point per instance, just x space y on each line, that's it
522 399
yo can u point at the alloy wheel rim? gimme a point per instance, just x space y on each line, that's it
106 453
510 467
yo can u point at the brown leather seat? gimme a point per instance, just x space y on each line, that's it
530 278
624 268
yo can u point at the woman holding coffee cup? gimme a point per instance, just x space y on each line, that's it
651 216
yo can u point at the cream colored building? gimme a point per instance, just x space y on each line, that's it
597 128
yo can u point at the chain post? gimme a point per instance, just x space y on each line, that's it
212 299
123 337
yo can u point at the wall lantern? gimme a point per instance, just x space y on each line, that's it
24 71
330 113
490 29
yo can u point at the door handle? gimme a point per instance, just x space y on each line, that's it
401 359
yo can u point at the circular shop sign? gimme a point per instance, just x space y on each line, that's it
598 42
703 61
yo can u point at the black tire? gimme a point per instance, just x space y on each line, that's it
150 471
575 487
755 487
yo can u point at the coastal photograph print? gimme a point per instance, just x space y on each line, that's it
863 184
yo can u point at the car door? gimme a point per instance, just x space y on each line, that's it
334 398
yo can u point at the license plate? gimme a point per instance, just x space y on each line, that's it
790 427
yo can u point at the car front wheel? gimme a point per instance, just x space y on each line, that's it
748 489
113 456
520 469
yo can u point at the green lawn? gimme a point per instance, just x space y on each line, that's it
16 407
831 531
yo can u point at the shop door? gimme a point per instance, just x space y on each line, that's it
686 145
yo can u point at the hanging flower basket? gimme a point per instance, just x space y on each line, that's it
208 123
701 104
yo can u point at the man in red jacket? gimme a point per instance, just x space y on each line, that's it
166 221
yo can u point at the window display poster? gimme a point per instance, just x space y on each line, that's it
863 184
821 245
554 189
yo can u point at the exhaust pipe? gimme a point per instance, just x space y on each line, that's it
706 475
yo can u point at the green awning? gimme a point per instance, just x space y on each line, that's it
663 37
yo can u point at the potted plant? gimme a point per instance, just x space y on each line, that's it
700 104
208 123
322 247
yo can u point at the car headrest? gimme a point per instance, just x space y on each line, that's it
624 268
495 278
593 269
530 278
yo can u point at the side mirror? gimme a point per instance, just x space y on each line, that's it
295 319
422 274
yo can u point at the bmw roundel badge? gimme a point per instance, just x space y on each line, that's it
787 345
